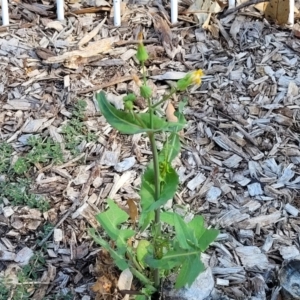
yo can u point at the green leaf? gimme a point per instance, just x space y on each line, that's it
141 297
169 188
197 228
21 165
144 247
110 221
207 238
171 148
147 194
189 271
171 259
181 105
197 225
119 258
168 217
183 233
129 123
179 114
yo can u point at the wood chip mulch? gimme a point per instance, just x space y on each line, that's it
240 161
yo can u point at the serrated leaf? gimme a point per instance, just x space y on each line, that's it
197 228
189 271
171 259
144 247
207 238
182 232
110 221
197 225
119 258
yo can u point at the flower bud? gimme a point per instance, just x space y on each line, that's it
128 105
130 97
141 54
146 91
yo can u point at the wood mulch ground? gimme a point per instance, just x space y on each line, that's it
240 162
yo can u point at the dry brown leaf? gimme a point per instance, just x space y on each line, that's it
296 30
162 28
278 11
133 211
91 34
44 53
102 285
170 113
101 46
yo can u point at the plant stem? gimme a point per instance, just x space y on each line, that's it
157 194
148 99
165 98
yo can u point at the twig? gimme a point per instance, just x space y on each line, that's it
105 85
233 10
71 209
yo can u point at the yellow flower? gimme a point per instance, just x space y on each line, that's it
196 76
190 78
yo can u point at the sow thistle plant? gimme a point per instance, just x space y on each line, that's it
162 253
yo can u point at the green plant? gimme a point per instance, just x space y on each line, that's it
42 235
6 151
18 193
61 296
180 249
75 130
26 279
4 290
15 187
41 152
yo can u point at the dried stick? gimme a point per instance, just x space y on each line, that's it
245 4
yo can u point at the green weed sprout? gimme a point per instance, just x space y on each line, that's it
161 254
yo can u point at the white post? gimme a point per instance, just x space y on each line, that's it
174 11
291 14
60 10
5 16
231 4
117 13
